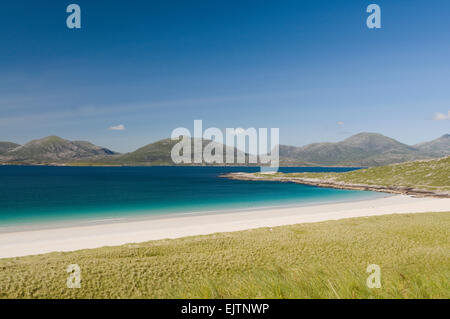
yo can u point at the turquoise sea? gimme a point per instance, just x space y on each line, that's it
33 195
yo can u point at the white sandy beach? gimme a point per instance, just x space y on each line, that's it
22 243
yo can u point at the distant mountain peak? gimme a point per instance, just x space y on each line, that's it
7 146
54 137
52 149
367 136
438 147
375 142
362 149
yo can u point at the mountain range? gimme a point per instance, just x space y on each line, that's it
366 149
363 149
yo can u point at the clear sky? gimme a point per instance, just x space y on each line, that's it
311 68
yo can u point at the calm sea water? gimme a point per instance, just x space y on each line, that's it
40 194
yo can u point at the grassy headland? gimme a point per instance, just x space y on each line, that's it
425 177
319 260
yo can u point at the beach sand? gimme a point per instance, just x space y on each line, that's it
32 242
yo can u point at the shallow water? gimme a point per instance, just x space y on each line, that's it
32 195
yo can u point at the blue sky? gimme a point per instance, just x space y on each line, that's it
152 66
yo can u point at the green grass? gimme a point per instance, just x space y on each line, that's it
427 175
319 260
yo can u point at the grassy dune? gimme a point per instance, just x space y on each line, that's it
320 260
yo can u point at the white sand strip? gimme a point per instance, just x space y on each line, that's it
80 237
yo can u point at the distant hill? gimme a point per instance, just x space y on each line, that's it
53 149
159 153
429 177
437 147
363 149
7 146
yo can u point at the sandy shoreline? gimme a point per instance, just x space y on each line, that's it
23 243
